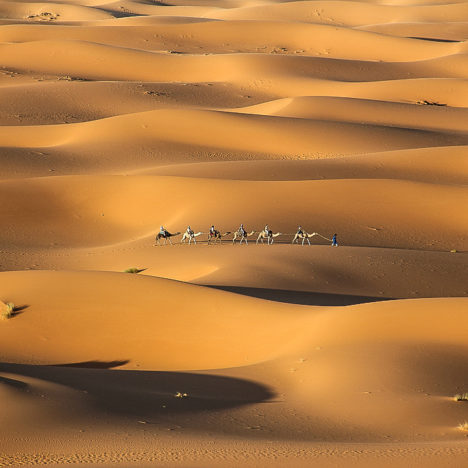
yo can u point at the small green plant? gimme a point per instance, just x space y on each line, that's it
132 270
7 310
461 397
463 426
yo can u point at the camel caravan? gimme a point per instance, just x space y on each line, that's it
241 235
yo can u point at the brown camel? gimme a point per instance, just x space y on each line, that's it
217 236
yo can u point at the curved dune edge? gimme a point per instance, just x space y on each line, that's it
83 304
99 210
382 353
95 61
436 165
278 136
245 36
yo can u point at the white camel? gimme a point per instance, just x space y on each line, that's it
268 235
242 235
304 235
190 236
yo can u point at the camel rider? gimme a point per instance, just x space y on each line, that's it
267 230
162 231
189 231
299 231
212 231
242 231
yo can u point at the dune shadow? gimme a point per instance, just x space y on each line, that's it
95 364
432 39
119 14
148 395
13 383
300 297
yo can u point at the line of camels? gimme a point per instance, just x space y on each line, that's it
240 235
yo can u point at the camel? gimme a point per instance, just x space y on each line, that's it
166 236
217 236
304 235
268 235
242 235
191 237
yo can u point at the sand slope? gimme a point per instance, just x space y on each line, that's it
413 363
339 116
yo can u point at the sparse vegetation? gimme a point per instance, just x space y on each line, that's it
430 103
132 270
461 397
7 310
180 395
463 426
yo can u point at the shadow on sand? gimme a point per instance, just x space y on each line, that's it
146 394
300 297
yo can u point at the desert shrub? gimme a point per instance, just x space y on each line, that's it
132 270
7 310
463 426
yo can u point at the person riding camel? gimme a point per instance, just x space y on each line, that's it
242 231
266 229
162 231
299 232
212 231
189 231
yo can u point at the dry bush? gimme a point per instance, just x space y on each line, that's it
7 310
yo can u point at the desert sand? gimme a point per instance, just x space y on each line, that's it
340 116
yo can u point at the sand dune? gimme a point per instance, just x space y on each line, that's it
88 210
453 31
332 341
94 61
50 11
240 131
340 116
244 36
444 165
347 13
